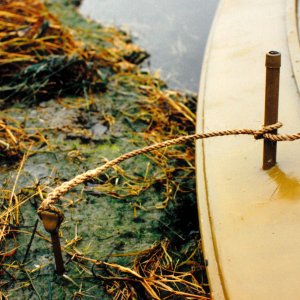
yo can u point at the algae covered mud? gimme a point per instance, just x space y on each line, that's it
72 97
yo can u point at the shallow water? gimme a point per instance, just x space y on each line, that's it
174 32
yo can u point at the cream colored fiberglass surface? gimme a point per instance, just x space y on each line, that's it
250 218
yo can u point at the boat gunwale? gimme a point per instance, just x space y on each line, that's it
293 38
215 278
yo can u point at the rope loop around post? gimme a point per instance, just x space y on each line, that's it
261 134
52 217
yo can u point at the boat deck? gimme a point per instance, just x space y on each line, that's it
250 218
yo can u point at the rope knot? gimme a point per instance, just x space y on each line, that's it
260 134
51 217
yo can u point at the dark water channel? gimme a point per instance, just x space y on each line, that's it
174 32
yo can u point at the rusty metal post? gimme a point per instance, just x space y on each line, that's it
59 263
273 63
51 222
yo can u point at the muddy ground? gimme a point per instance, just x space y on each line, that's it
149 200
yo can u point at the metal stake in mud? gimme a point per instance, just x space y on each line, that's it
273 63
51 222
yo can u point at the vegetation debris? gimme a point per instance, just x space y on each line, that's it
40 59
133 232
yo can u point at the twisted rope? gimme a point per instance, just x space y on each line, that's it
267 132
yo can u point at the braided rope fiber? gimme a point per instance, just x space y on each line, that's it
267 132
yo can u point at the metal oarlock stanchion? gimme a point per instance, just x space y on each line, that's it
51 222
273 63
